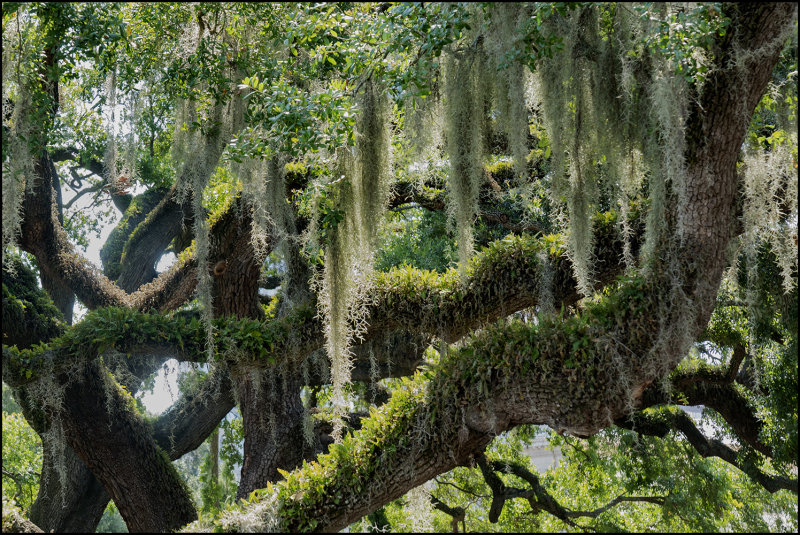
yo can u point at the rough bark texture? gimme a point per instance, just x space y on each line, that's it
149 241
272 414
715 131
75 508
117 448
185 425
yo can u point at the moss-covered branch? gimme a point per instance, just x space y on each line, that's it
499 281
112 252
29 315
44 237
509 374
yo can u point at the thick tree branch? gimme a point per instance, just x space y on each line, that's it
188 422
44 237
499 282
509 375
116 445
713 387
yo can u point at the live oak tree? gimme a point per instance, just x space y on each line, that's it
631 158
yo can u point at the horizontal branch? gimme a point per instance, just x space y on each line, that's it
501 280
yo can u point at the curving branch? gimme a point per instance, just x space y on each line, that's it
499 282
433 199
673 418
189 421
537 495
44 237
565 374
714 387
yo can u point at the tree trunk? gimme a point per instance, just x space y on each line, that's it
75 508
272 413
116 446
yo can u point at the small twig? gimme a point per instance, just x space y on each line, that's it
465 491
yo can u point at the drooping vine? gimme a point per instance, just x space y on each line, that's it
363 175
18 159
502 38
464 119
569 113
111 154
770 211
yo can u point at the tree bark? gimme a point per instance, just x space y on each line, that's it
575 399
116 446
272 414
77 506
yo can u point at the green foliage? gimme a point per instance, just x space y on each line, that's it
701 494
22 459
331 88
417 238
29 314
111 522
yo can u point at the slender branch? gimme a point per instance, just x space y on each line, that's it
657 500
674 418
465 491
457 513
92 189
537 495
16 478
